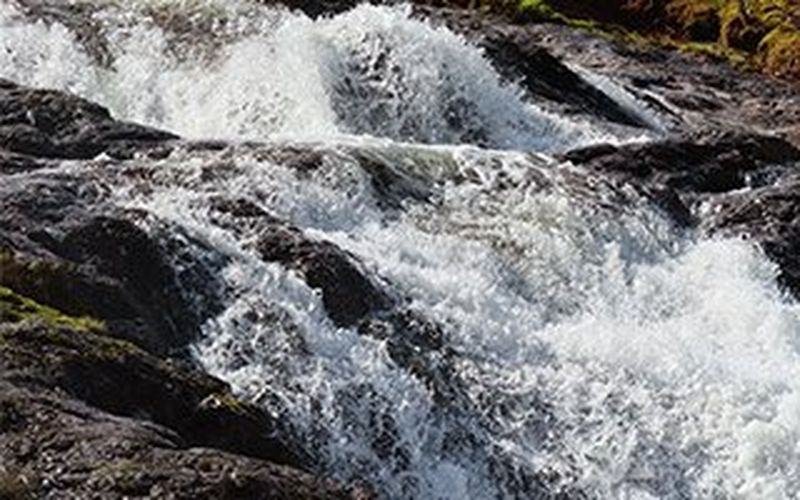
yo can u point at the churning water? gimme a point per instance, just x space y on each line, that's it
591 348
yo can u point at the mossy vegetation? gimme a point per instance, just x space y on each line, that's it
223 401
15 308
44 281
779 53
763 35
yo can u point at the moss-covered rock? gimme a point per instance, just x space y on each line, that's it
764 34
74 354
15 308
64 384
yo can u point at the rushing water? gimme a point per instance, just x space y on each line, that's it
591 347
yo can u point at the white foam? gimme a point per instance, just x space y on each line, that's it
271 74
590 342
668 366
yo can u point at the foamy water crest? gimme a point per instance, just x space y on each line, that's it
590 347
271 74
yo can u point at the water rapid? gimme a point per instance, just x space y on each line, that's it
587 347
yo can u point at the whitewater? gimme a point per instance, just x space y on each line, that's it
591 348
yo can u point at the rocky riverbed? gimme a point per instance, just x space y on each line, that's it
286 306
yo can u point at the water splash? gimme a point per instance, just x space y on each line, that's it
272 74
590 343
590 346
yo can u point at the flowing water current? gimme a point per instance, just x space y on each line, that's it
591 348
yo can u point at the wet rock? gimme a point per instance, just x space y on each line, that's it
393 186
416 344
161 279
302 160
679 172
53 124
708 164
117 377
241 208
62 244
347 293
518 58
56 248
769 215
85 415
13 163
352 298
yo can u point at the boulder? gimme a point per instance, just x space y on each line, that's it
519 58
677 173
86 415
53 124
348 294
768 215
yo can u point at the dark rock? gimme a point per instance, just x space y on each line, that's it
676 173
768 215
83 415
318 8
53 124
708 164
415 344
241 208
119 249
302 160
518 58
393 186
347 293
117 377
671 203
55 248
13 163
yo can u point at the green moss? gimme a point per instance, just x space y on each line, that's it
779 53
737 58
223 401
540 8
773 13
759 35
44 281
15 308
